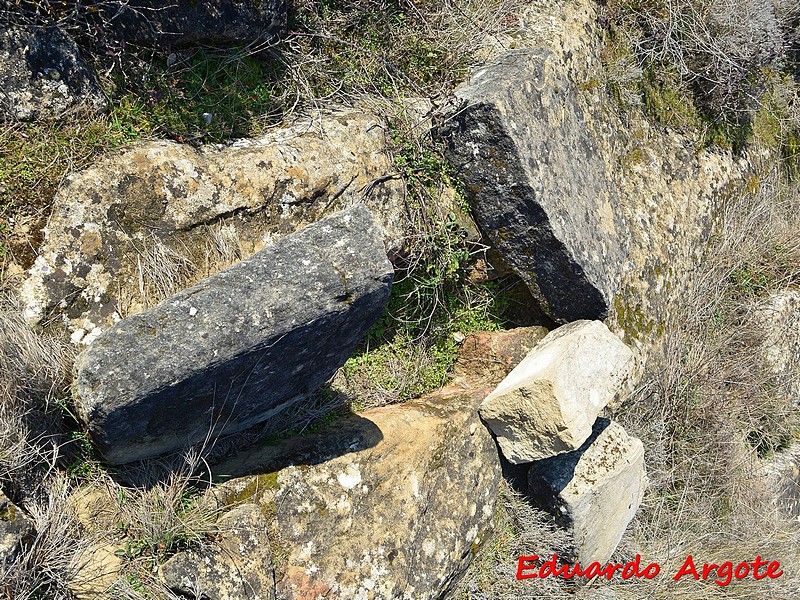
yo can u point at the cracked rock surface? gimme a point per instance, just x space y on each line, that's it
390 503
142 224
236 566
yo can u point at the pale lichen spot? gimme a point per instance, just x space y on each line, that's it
350 478
472 533
77 336
414 486
306 551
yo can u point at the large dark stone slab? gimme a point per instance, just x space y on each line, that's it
187 22
42 75
537 182
239 346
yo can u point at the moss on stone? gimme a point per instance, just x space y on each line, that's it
252 491
8 513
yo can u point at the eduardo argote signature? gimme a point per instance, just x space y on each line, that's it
722 574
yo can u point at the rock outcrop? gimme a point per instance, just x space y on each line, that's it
239 346
390 503
237 565
42 75
141 225
783 478
548 404
187 22
593 491
777 320
616 209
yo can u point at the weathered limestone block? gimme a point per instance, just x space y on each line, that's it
777 323
390 503
42 75
238 347
187 22
237 565
654 198
15 528
595 490
549 402
537 182
140 225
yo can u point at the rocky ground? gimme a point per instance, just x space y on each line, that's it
491 283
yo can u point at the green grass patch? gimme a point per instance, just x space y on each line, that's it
667 101
199 96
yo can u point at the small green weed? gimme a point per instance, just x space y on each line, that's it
86 464
749 280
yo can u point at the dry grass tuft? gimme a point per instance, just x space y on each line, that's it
713 409
346 51
34 374
520 529
52 560
224 248
723 48
162 271
162 518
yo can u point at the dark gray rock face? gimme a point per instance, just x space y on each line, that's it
238 347
537 182
186 22
42 75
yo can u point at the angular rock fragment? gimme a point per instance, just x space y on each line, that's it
238 347
595 490
236 566
42 75
488 357
537 182
187 22
390 503
549 402
15 529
